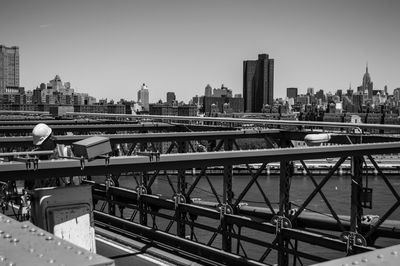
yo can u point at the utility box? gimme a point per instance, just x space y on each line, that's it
66 212
91 147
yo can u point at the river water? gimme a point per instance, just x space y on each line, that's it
337 190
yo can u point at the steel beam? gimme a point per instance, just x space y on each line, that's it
26 141
117 165
172 241
315 124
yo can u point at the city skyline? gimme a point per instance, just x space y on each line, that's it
108 49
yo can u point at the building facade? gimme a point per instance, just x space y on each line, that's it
258 83
9 67
171 98
143 97
291 92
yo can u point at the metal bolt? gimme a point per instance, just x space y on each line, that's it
49 238
394 253
32 230
41 234
7 236
8 221
14 240
380 256
24 226
364 260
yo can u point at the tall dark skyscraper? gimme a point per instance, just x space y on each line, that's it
9 67
291 92
258 83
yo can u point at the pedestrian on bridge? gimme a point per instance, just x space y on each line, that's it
44 140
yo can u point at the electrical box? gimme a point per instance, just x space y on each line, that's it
23 243
67 212
91 147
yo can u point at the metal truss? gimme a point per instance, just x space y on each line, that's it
181 211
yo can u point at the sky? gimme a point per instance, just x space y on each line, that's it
109 48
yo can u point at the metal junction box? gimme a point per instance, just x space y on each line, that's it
91 147
67 212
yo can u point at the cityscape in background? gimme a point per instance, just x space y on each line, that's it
373 105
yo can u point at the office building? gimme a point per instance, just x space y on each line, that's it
9 67
171 98
258 83
291 92
143 97
367 85
208 91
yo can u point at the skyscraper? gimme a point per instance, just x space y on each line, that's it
143 97
291 92
9 67
258 83
367 85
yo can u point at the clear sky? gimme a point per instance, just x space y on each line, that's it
109 48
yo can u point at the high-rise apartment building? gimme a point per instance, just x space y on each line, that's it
143 97
258 83
9 67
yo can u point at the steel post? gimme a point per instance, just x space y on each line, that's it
227 201
181 193
356 188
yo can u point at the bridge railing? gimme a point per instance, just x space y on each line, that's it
224 226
